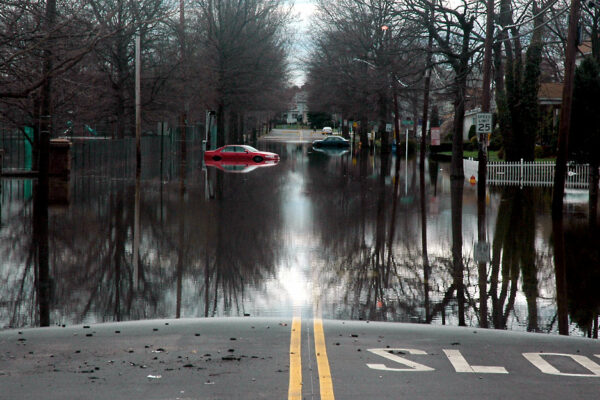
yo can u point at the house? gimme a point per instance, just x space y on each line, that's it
583 50
550 94
298 110
549 100
470 120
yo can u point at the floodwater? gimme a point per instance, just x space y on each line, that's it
321 233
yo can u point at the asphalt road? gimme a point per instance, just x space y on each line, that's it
257 358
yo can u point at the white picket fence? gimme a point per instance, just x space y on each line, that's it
528 173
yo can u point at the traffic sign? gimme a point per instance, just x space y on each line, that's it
484 123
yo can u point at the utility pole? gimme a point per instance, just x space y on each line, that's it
138 106
41 197
183 114
182 130
482 157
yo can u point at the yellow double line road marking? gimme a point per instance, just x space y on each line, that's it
325 382
295 388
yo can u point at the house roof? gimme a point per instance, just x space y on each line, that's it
550 93
585 47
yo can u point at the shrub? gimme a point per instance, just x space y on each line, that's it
495 140
401 147
472 133
538 152
474 143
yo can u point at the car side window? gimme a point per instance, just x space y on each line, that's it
230 149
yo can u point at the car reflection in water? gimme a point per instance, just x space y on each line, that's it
331 151
239 167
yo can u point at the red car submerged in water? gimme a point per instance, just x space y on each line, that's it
240 152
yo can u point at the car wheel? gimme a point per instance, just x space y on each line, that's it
257 158
216 158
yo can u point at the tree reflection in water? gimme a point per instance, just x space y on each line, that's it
241 248
582 248
357 223
40 249
77 265
513 253
397 290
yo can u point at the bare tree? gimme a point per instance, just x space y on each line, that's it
242 58
115 56
361 49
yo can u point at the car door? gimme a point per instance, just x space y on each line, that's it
243 154
228 153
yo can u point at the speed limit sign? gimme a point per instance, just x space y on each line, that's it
484 123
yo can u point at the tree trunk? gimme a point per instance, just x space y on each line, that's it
457 186
383 115
560 171
593 196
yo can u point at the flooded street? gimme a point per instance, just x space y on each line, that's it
322 233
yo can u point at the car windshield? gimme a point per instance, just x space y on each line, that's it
250 148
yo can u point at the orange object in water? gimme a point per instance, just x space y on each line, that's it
472 181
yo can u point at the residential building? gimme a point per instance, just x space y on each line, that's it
298 110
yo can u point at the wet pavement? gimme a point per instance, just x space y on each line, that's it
259 358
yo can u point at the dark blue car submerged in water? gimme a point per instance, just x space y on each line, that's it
332 141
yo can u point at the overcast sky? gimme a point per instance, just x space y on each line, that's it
304 9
